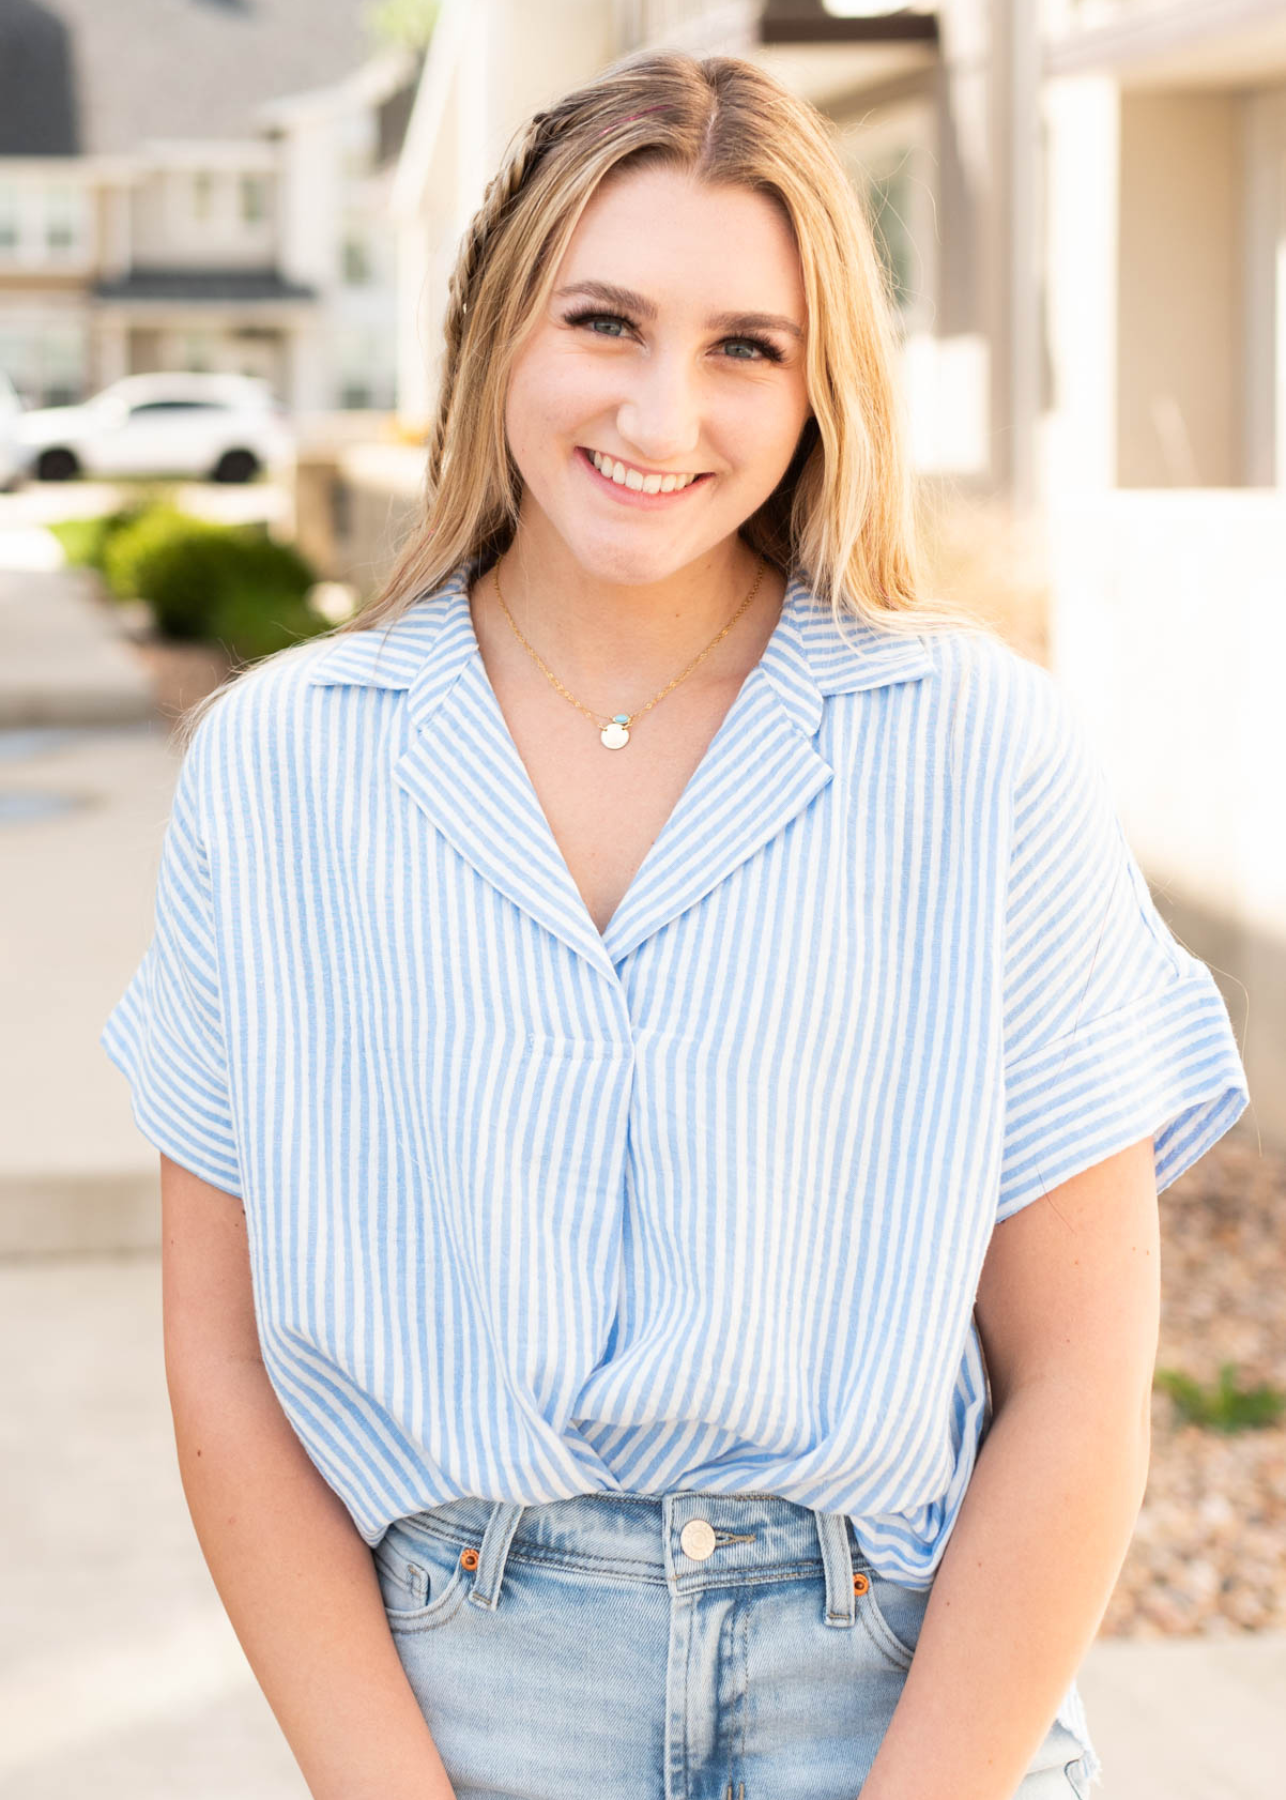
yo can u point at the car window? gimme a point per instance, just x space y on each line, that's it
153 407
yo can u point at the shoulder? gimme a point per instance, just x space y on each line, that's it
998 702
255 731
273 693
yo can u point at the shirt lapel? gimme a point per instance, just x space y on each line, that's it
763 768
462 766
760 771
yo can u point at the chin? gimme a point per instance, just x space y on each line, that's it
613 558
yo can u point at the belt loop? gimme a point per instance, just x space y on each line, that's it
837 1560
496 1539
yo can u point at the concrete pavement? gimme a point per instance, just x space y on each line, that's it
121 1677
86 774
75 917
64 661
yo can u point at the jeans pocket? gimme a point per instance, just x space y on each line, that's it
891 1612
1078 1779
1062 1764
424 1579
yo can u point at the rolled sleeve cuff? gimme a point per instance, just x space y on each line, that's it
174 1113
1165 1066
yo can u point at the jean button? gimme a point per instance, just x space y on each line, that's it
697 1539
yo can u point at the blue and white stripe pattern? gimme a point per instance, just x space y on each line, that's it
703 1201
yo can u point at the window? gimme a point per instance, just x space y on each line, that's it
151 409
356 260
254 199
365 368
202 195
46 361
357 139
891 159
10 221
195 353
889 204
62 219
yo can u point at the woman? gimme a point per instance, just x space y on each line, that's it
695 1052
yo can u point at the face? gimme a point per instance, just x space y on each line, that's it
692 366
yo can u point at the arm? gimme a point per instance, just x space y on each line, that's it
295 1577
1068 1311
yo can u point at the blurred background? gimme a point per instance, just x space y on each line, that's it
225 233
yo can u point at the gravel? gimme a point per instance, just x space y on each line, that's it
1208 1555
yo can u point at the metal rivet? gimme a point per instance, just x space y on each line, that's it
697 1539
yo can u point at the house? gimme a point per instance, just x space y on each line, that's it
198 184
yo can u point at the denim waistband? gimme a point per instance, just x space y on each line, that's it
689 1540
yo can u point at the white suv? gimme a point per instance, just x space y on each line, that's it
14 455
205 427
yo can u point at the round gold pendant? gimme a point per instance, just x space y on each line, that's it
614 736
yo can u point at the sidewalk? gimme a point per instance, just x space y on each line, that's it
121 1677
62 661
86 774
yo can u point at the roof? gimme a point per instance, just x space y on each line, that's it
78 77
223 285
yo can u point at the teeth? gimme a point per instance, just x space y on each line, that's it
630 478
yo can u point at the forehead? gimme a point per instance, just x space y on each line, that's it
663 232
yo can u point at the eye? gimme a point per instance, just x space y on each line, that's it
765 349
595 318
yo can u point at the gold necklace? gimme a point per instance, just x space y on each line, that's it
614 732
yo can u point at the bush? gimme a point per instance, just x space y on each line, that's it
1223 1406
172 561
85 541
253 623
214 583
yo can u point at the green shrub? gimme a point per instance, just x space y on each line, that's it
252 623
173 562
85 541
1224 1406
263 561
231 584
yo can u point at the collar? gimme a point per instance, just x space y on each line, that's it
807 656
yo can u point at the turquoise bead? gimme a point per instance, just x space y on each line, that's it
620 718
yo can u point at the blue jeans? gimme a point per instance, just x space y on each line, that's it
685 1646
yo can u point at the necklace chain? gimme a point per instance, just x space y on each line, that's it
621 720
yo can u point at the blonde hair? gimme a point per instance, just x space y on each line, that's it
844 513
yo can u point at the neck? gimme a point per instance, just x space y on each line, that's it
606 633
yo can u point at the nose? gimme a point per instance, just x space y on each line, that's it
660 415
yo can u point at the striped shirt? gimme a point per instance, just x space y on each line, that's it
701 1201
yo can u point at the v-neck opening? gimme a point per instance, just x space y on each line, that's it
460 763
474 656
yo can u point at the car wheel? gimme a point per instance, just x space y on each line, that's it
57 465
237 465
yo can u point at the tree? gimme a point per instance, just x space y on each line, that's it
407 24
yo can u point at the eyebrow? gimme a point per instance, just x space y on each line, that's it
629 301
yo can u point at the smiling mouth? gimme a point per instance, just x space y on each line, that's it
638 481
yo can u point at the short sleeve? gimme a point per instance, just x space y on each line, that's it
1113 1031
166 1032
